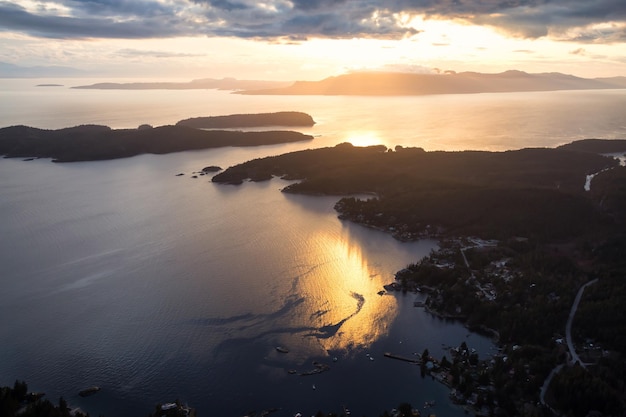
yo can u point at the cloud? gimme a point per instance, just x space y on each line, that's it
598 21
134 53
107 25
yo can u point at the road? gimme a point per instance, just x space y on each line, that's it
568 327
570 345
546 384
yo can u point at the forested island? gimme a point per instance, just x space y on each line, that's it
94 142
523 235
285 118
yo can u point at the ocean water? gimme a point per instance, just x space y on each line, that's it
158 287
497 121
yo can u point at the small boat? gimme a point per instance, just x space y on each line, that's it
282 349
314 386
88 391
429 404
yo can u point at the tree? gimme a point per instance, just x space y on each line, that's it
20 389
445 363
62 405
405 409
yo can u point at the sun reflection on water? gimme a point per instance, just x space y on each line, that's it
364 138
343 303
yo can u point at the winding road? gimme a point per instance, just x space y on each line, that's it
568 327
570 345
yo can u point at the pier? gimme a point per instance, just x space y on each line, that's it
416 361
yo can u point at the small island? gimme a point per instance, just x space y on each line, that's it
284 118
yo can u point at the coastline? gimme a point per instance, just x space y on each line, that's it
380 229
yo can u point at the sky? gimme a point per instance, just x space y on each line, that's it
313 39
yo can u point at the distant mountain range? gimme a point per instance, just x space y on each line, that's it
358 83
200 84
400 84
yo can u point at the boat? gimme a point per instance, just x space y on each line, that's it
176 409
89 391
282 349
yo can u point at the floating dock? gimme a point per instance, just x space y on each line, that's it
403 358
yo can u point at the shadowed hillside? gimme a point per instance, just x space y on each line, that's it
596 145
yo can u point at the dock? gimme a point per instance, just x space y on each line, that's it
416 361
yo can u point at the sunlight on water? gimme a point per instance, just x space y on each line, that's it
342 293
364 138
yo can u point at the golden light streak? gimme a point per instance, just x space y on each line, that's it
342 295
364 138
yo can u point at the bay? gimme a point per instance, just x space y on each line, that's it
156 286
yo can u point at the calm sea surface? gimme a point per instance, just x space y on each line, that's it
156 287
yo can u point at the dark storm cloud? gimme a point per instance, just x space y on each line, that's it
316 4
299 19
228 5
116 7
48 25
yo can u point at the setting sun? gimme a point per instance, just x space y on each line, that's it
364 138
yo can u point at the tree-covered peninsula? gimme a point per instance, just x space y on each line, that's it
93 142
527 192
532 246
